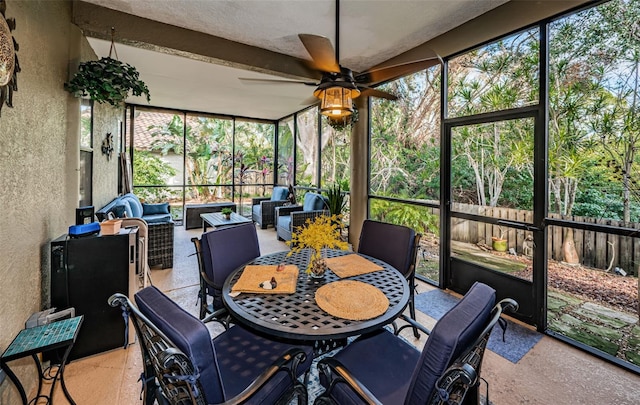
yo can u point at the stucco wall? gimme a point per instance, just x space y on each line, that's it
38 164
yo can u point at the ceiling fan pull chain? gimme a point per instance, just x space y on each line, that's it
113 44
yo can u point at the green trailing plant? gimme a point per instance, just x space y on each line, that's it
107 81
340 124
337 200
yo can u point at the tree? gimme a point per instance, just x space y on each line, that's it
496 77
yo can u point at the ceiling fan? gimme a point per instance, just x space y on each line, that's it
340 85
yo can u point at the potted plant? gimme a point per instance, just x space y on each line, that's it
107 81
337 200
226 212
499 243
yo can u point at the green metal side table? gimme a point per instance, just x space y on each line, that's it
30 342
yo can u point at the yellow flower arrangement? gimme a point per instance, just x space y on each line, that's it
321 233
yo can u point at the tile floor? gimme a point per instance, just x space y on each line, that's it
551 373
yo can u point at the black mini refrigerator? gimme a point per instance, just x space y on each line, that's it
85 272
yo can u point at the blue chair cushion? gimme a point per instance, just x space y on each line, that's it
188 333
119 211
153 209
284 222
243 356
134 203
455 332
279 193
313 202
157 218
386 372
256 210
388 242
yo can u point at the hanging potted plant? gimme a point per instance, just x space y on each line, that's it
107 80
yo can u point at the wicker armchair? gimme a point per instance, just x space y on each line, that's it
263 208
288 218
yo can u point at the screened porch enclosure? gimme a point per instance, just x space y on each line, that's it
515 160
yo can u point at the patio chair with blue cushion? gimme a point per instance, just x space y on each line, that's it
396 245
183 365
288 218
263 208
382 368
219 253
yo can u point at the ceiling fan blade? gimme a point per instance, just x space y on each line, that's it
369 92
250 80
387 73
321 51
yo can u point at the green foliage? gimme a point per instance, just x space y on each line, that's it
151 170
337 200
107 81
413 216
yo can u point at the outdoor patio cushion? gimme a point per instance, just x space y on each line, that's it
285 221
386 372
279 193
223 251
388 242
393 370
455 332
189 334
226 365
313 202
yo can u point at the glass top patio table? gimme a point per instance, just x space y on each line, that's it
297 316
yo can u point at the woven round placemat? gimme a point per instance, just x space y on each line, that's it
351 299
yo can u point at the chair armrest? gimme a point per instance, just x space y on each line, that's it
222 316
269 205
258 200
287 209
300 218
414 323
335 371
288 361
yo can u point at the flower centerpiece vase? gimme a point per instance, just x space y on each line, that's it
317 265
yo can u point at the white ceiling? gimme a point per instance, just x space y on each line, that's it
371 32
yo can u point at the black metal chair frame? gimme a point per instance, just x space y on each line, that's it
455 385
169 376
412 289
221 315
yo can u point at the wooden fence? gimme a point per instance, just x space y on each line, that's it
595 249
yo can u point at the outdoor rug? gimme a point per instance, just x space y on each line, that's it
518 340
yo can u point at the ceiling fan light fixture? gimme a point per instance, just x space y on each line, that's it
336 100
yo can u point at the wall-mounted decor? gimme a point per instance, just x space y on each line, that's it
107 145
9 66
107 80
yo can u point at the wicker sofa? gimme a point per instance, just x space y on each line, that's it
158 218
